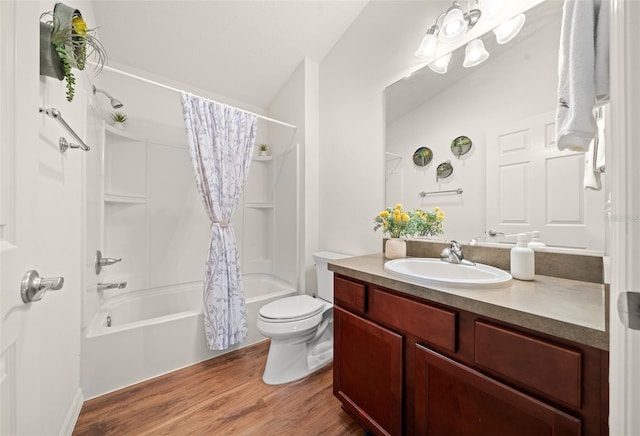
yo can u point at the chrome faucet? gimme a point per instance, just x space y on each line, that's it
454 254
118 285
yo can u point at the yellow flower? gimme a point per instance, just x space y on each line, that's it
440 216
384 214
80 26
399 206
405 217
437 209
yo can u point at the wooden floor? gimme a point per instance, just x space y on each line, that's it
221 396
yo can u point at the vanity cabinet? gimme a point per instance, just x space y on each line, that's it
404 366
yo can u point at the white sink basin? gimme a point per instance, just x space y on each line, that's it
437 272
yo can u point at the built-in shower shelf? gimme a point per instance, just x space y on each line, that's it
259 205
262 158
130 199
123 133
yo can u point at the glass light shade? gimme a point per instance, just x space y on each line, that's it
490 7
453 25
440 65
427 49
509 29
474 53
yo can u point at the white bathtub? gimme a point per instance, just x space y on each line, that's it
156 331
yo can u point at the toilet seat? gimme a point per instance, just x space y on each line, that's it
291 309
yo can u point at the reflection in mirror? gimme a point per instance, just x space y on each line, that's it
514 178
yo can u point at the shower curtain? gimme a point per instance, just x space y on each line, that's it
221 140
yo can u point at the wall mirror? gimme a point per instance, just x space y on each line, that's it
513 177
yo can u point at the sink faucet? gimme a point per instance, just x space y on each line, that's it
454 254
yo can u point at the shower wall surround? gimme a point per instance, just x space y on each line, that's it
153 218
155 222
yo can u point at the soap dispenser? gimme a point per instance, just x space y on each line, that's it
536 242
522 260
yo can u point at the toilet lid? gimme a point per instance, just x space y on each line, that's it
292 308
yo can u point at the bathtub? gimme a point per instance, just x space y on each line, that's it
142 334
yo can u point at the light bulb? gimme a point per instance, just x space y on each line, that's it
490 7
453 25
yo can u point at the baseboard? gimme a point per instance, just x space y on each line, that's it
73 414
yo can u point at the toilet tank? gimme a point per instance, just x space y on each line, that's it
325 277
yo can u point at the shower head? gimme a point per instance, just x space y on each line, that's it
115 103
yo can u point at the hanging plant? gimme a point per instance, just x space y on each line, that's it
73 42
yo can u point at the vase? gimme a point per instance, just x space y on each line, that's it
395 248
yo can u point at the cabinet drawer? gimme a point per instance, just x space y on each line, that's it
546 367
349 295
431 324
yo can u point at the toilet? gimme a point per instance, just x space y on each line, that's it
300 328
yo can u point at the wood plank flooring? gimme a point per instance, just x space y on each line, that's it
221 396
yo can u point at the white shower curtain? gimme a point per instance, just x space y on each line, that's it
221 139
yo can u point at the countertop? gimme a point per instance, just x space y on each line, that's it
568 309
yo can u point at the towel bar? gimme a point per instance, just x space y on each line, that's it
451 191
55 113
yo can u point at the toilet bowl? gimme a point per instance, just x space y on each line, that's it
300 328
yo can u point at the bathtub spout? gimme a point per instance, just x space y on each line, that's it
118 285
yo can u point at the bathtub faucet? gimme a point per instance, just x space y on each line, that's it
118 285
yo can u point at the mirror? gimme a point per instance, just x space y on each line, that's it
515 90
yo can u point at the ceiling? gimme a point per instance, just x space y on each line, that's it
243 50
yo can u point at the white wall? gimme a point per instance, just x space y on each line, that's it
352 79
296 103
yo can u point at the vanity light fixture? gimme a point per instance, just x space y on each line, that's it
509 29
475 53
440 65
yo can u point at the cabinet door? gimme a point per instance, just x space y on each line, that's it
367 374
451 398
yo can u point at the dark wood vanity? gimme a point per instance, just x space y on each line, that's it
406 365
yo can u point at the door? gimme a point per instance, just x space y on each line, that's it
531 185
454 399
623 161
367 375
40 228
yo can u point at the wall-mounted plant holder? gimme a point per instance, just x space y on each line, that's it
444 170
461 146
422 156
50 62
65 43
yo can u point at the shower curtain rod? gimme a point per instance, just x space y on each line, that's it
171 88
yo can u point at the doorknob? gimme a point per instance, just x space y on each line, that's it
33 287
629 309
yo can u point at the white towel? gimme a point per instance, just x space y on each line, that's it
583 71
594 158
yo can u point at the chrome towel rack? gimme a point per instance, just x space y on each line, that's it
55 114
451 191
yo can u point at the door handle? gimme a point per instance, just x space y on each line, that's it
33 287
629 309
